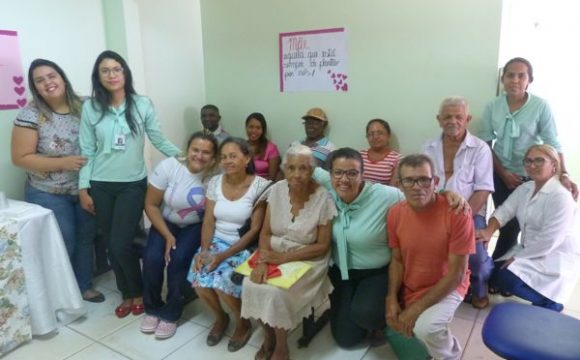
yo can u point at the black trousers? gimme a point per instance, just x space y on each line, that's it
508 234
119 207
357 305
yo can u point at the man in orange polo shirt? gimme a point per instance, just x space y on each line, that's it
428 274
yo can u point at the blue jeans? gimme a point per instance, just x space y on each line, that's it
480 263
78 229
506 280
187 241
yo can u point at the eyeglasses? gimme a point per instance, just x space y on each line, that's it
423 181
539 161
109 71
350 174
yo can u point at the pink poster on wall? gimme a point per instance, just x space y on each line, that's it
12 86
313 60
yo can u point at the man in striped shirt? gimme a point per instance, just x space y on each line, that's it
315 124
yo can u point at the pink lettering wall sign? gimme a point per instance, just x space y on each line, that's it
314 60
12 85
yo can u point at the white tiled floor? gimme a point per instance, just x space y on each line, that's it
101 336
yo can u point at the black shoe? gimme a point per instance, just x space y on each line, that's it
99 298
189 296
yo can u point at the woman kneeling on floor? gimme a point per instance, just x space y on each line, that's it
541 268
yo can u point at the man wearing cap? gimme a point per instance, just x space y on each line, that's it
210 119
315 123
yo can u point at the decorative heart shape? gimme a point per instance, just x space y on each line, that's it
337 87
344 76
344 87
328 72
334 81
21 102
18 79
19 90
333 76
340 82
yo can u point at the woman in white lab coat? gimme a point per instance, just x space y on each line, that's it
541 268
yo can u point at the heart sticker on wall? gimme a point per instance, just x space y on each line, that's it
339 80
21 102
19 90
17 79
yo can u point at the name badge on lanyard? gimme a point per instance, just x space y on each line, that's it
119 141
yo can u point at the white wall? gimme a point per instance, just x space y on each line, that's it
68 32
172 55
163 45
544 33
404 57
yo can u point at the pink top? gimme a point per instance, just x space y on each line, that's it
380 171
261 163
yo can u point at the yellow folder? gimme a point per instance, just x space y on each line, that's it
291 272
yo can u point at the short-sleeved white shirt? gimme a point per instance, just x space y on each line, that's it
231 215
184 197
472 166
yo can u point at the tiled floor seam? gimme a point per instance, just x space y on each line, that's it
187 342
464 352
97 341
82 349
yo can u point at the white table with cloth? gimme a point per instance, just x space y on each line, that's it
38 289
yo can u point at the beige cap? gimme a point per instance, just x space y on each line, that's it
315 113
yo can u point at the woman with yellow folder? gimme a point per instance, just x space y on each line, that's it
296 227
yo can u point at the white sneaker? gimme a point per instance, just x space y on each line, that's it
149 324
165 329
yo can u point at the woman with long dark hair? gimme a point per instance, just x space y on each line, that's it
45 143
231 198
266 154
114 179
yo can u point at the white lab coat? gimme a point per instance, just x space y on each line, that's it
548 253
